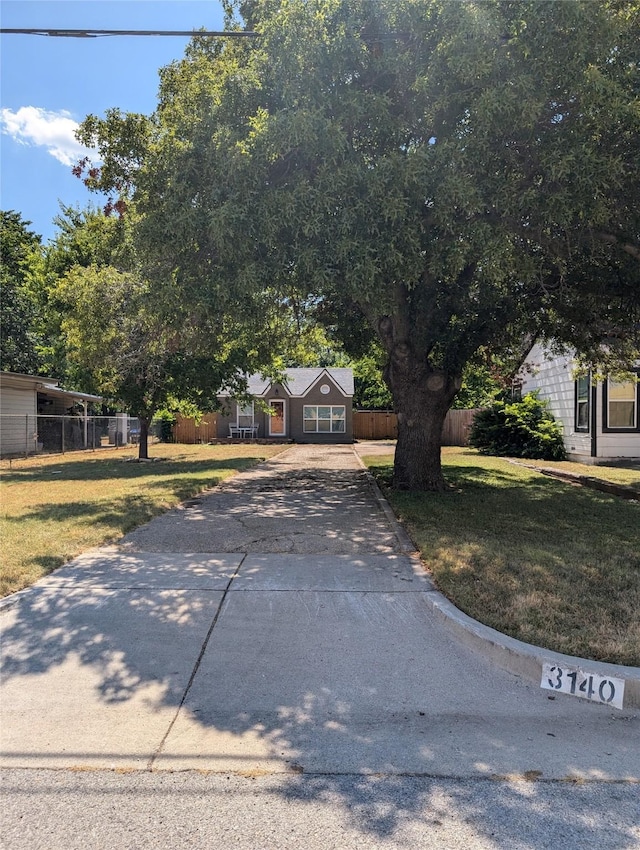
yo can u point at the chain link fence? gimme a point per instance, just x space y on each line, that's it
29 434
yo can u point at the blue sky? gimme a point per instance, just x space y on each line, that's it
48 85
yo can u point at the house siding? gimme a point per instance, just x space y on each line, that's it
315 397
18 412
54 406
619 445
15 401
554 379
225 417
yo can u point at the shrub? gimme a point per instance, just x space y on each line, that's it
518 429
165 421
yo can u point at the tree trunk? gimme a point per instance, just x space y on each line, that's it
143 444
422 398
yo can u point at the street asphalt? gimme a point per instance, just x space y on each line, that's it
268 665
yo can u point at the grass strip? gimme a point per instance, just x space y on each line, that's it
613 473
55 507
547 562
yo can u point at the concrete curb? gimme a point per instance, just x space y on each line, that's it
525 659
522 659
407 546
613 489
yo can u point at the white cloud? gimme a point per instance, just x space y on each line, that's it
37 127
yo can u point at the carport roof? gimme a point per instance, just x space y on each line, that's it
50 386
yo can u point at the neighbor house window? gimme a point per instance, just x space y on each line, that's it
245 415
327 419
583 390
621 405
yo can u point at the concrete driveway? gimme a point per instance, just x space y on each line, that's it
261 668
276 625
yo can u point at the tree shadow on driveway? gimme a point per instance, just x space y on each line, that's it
199 663
321 675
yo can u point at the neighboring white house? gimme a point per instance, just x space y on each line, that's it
25 400
600 419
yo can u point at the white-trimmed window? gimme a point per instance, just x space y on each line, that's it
583 392
324 419
245 415
621 405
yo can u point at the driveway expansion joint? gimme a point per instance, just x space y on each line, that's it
196 667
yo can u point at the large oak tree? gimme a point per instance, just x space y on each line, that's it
446 176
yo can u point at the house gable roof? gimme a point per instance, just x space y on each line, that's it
341 378
299 381
256 385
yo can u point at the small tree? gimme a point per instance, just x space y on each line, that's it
144 350
110 331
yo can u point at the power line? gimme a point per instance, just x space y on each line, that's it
91 33
60 33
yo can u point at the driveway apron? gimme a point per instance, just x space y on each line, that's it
276 624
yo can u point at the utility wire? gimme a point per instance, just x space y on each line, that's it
60 33
90 33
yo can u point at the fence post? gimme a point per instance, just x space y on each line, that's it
62 433
26 436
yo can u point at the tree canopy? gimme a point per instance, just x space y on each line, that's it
20 253
127 331
441 176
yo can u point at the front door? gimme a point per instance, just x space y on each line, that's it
277 424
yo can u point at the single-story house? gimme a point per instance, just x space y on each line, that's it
25 403
309 406
600 419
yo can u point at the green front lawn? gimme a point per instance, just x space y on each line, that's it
55 507
545 561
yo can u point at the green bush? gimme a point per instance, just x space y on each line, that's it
518 429
165 420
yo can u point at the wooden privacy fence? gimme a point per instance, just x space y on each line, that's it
367 425
457 426
383 425
186 431
375 425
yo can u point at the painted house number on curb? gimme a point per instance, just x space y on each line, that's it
578 683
